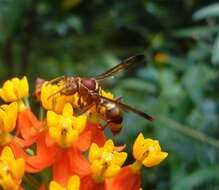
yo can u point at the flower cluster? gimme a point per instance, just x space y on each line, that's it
65 147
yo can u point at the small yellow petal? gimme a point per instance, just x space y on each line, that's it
67 110
111 171
7 153
97 168
55 186
109 145
24 85
120 158
79 123
94 152
18 168
154 160
73 183
52 118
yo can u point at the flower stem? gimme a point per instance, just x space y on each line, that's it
26 101
31 181
41 114
136 166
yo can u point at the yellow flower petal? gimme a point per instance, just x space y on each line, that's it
154 160
7 153
97 168
55 186
137 147
14 89
67 110
11 170
73 183
119 158
94 152
147 151
105 162
79 122
109 145
111 171
52 118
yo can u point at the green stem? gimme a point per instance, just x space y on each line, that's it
31 181
188 131
26 101
41 114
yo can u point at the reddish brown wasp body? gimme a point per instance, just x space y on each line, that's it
89 91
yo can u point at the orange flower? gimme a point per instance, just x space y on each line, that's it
105 163
28 127
147 152
126 179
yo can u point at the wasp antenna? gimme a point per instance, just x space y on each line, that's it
139 58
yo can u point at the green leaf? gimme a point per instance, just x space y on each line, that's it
197 178
215 51
196 32
206 12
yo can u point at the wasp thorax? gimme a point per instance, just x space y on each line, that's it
71 87
90 84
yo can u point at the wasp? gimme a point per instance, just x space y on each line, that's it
89 93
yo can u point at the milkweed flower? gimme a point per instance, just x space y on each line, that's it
8 117
65 129
14 90
74 147
105 163
51 100
147 152
73 184
11 170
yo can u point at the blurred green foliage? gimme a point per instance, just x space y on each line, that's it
179 86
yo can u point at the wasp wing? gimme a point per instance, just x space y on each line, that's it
125 64
129 108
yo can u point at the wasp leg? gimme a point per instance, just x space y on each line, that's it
55 80
59 91
86 108
105 126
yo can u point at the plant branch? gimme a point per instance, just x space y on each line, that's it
188 131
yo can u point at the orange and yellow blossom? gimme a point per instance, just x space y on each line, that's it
73 184
51 100
11 170
65 129
147 152
14 90
105 163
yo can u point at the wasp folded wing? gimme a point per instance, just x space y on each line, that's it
125 64
129 108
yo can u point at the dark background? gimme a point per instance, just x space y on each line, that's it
179 86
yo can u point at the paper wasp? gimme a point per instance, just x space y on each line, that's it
89 92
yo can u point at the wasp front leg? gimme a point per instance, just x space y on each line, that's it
56 80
